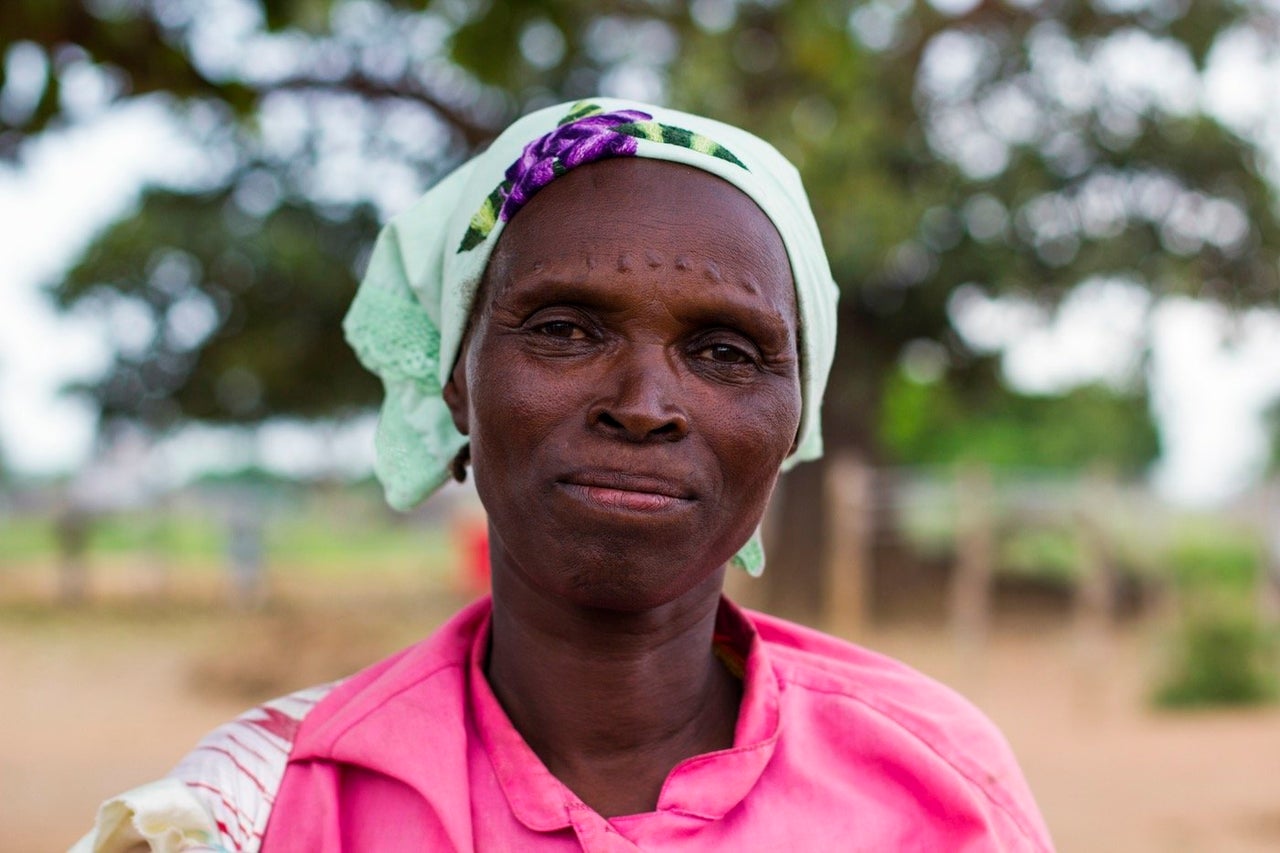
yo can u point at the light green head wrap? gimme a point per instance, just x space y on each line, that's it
408 318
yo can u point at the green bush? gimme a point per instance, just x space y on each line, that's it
1214 559
1223 657
1053 553
25 539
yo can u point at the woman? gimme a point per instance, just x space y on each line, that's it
621 317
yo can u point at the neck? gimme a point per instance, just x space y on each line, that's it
602 695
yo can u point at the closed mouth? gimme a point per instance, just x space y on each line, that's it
625 481
617 490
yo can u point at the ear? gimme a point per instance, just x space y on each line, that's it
795 442
455 391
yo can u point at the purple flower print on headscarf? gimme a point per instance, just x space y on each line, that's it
568 146
585 135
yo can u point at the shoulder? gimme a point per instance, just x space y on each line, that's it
236 769
807 660
218 798
921 713
423 680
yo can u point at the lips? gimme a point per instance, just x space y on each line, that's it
624 490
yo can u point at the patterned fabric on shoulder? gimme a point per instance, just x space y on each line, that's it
218 798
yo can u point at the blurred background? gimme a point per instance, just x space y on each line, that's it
1053 425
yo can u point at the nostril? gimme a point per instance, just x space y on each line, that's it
639 426
610 421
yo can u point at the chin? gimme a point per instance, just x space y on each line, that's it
603 561
616 598
630 579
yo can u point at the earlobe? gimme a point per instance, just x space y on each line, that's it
455 394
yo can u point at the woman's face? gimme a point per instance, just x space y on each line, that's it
631 382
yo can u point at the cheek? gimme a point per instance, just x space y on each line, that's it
513 406
756 436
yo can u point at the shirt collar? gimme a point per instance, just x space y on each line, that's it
706 786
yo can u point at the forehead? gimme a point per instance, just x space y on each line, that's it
635 212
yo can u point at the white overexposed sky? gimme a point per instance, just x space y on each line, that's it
1211 373
68 187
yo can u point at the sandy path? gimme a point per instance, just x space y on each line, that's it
84 714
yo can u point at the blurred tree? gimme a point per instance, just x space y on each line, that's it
5 473
999 148
1091 425
1271 422
227 316
1012 149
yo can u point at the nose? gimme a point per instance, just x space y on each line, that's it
643 399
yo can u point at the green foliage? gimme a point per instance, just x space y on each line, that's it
1210 561
1223 655
297 533
1223 658
262 480
1042 552
25 539
186 538
881 146
236 330
314 540
933 424
1271 421
120 535
897 208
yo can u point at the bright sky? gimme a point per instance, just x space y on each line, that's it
1211 374
70 186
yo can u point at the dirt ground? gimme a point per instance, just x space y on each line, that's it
101 698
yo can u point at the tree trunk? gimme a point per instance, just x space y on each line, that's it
849 560
794 585
792 581
975 564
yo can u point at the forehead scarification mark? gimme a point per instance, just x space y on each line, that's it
749 284
625 262
712 271
653 258
683 263
591 262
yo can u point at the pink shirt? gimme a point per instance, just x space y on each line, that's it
836 748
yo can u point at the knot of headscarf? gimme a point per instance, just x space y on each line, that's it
411 311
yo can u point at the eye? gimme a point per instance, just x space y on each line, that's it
562 329
725 354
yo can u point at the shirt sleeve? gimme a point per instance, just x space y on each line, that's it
162 816
218 798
